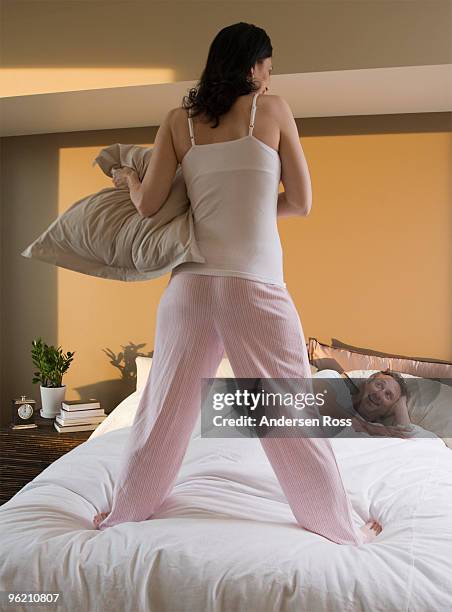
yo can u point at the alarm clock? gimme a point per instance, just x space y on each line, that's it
23 413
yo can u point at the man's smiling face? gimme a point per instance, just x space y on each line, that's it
378 397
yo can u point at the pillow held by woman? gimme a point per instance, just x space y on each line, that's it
104 235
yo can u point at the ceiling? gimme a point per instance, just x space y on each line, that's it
373 91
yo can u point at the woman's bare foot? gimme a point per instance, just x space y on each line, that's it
370 530
99 518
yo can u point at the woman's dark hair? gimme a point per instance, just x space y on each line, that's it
232 54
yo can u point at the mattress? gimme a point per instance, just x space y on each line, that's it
225 539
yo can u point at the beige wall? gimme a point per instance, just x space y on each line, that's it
371 265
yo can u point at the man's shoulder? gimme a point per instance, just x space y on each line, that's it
352 386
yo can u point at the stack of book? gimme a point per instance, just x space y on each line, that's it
79 415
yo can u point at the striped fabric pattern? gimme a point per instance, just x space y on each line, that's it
257 325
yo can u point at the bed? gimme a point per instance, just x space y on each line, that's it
225 540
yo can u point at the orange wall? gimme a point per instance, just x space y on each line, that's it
370 265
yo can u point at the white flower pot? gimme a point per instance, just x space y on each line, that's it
51 398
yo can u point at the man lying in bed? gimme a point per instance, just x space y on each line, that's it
381 397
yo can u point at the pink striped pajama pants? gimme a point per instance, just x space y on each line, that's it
257 325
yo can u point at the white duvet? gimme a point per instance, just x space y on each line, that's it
226 540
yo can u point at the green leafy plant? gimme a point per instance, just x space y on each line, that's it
51 362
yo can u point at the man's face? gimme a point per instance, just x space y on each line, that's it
378 398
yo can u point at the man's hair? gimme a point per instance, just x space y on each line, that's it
396 376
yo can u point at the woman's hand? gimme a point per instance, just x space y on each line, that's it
378 429
119 176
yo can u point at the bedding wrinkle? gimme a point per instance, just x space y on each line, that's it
204 534
433 470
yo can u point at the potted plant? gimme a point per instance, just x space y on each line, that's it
52 364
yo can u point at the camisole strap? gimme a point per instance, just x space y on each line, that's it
253 113
251 126
190 127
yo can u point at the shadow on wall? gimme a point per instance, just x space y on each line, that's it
111 392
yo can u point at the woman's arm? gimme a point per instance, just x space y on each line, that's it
134 184
295 174
285 209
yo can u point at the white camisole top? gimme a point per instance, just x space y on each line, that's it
233 191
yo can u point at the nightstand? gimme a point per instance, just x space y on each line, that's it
25 453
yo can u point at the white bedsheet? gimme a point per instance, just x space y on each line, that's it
226 540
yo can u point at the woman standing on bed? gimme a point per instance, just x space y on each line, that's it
233 157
